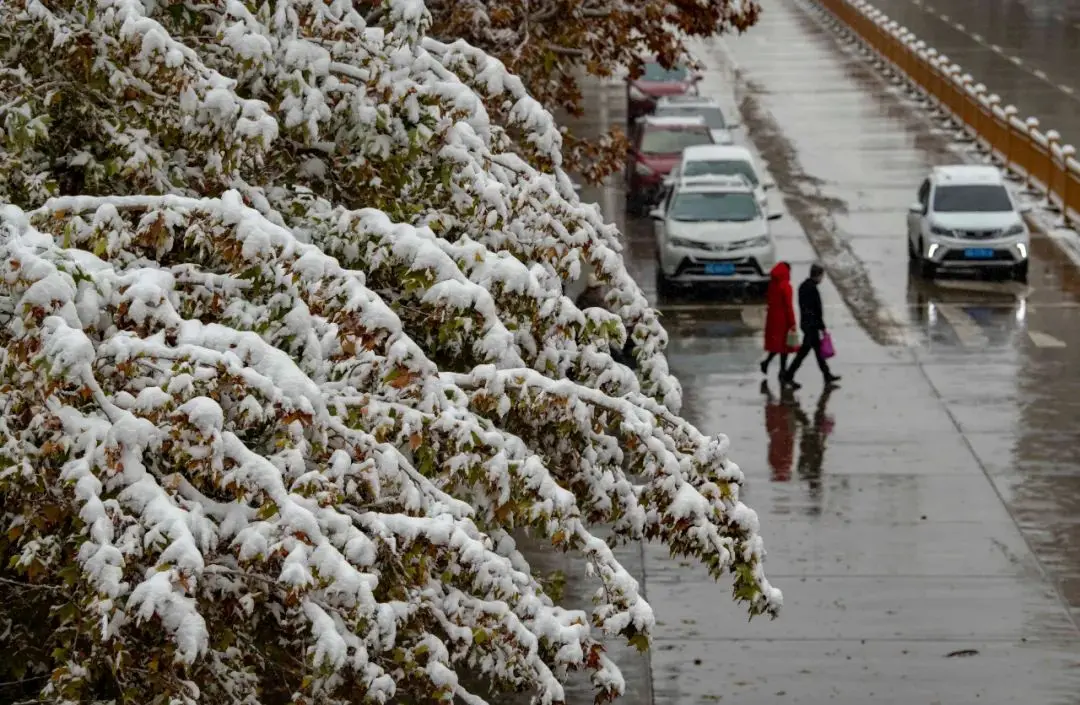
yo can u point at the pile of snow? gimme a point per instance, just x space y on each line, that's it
287 355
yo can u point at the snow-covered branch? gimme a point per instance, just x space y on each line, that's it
288 356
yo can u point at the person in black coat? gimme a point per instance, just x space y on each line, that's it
812 322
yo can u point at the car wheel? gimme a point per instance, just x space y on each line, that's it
912 256
1020 272
633 204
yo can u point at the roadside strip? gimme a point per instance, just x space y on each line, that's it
1047 169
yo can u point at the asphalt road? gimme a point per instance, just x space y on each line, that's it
1026 51
923 519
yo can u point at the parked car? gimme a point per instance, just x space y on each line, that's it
966 219
707 108
711 230
656 82
656 145
730 160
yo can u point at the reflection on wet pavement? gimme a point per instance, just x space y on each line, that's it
924 517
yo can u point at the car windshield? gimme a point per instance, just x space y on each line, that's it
714 118
655 72
725 167
972 198
672 141
715 206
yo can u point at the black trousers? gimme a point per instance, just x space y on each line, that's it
811 341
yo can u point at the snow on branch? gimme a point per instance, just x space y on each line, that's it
287 358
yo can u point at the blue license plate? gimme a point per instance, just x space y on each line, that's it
979 253
720 268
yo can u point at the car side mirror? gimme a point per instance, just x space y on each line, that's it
1024 208
915 208
733 125
696 78
775 216
656 214
768 185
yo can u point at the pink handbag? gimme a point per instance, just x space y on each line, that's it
827 349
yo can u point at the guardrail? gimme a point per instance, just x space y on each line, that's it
1019 146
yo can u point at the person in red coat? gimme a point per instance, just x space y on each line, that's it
779 318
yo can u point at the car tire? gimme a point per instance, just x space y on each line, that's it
1020 272
912 256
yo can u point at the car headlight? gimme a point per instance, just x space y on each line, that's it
938 230
636 94
643 169
682 242
760 241
1017 229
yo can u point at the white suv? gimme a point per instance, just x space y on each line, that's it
710 229
966 218
722 159
694 106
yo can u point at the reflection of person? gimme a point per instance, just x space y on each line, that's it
812 322
780 427
812 435
779 318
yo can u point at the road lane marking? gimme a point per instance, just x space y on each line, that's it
1045 340
965 327
981 41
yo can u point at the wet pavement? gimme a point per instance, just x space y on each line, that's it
923 519
1026 51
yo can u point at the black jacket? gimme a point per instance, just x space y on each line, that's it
811 317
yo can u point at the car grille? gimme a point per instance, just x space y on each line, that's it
696 266
978 234
722 246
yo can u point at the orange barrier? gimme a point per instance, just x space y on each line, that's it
1016 145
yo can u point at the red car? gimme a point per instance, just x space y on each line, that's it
657 82
656 145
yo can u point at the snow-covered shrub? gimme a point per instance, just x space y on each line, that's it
286 356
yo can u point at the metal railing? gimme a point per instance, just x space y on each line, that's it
1019 146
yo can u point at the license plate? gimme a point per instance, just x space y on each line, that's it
719 268
978 253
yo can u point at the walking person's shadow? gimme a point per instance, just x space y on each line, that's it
780 427
813 432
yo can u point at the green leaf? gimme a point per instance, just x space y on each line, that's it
640 642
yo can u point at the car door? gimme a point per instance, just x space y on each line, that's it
915 219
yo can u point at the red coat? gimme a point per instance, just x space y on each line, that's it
780 311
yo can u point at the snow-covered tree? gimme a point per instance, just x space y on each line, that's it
552 44
287 357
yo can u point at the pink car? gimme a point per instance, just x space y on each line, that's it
656 145
657 82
